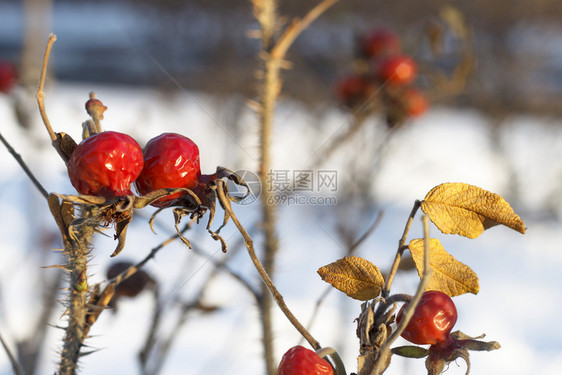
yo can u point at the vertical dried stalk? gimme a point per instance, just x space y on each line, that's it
273 54
266 13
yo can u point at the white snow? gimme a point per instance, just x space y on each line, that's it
518 305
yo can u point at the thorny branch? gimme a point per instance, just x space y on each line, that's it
273 54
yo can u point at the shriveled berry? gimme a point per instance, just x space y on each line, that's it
170 161
105 164
131 286
302 361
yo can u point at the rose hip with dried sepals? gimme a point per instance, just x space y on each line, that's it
302 361
433 319
170 161
105 164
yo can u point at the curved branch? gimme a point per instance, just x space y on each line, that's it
264 276
40 95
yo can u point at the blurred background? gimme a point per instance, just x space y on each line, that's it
204 45
491 71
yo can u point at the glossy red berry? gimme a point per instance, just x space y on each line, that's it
415 102
397 70
105 164
302 361
170 161
354 90
379 43
8 76
131 286
433 319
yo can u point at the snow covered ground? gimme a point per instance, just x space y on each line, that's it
520 279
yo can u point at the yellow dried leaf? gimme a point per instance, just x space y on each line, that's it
449 275
356 277
457 208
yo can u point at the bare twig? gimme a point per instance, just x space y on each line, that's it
409 311
30 349
350 251
40 96
150 341
107 294
222 264
15 365
400 251
367 233
166 343
297 27
25 168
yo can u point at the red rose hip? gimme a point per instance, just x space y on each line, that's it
302 361
105 164
432 321
170 161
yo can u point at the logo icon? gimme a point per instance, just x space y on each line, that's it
254 186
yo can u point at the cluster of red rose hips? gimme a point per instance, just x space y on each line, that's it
384 73
107 163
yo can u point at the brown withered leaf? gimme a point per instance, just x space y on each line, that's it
467 210
356 277
449 275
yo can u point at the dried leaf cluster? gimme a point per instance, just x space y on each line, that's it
454 208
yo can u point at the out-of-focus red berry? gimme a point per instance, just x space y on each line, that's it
8 76
397 70
354 90
415 102
380 43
